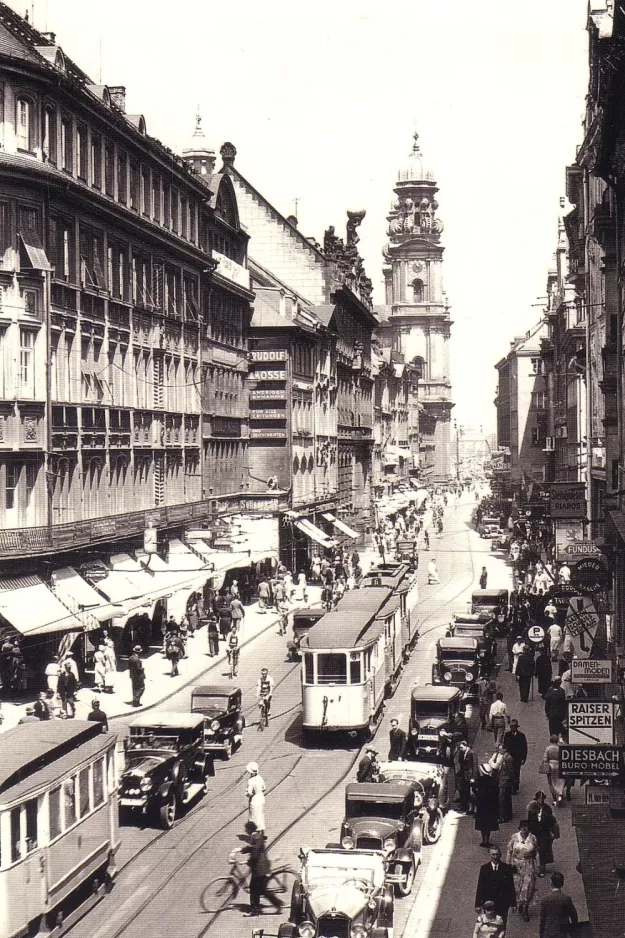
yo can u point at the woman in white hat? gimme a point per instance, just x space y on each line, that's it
256 797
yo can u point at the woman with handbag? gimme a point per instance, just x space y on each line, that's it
523 856
544 827
551 768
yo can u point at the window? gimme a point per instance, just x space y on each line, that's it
192 222
156 198
31 481
31 303
91 270
122 178
535 436
537 366
332 668
539 400
69 800
56 819
11 483
48 142
62 248
27 348
31 825
109 169
134 186
355 674
98 782
83 791
174 210
166 205
184 220
16 846
96 161
538 473
145 192
308 668
81 151
417 291
24 117
66 145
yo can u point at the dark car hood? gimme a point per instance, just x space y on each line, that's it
450 663
212 713
141 764
432 724
372 826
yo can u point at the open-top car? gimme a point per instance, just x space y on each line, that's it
340 894
433 711
166 766
434 786
493 601
457 664
222 709
302 621
387 818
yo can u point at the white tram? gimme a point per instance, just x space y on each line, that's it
58 822
344 673
401 632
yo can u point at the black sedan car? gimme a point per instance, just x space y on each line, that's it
222 708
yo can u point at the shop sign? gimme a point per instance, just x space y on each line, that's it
273 413
268 355
230 270
597 795
150 539
257 433
591 573
268 394
262 504
536 633
268 375
581 622
589 761
591 721
567 500
104 527
225 427
591 671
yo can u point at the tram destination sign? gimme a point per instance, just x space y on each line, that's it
567 500
591 671
589 761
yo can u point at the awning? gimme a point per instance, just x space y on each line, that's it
81 597
35 610
33 247
392 455
315 533
340 525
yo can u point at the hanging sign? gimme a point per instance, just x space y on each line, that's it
589 761
591 721
567 500
536 633
597 795
591 671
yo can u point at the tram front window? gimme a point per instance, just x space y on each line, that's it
309 668
332 668
355 676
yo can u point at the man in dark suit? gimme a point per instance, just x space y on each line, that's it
558 915
137 676
516 743
496 883
398 742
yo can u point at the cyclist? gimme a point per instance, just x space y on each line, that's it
264 692
232 649
259 871
283 611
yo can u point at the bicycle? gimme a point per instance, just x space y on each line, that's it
233 661
221 892
263 710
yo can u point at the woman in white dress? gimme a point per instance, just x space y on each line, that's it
99 662
256 797
110 661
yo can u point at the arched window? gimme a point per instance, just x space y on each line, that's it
24 113
417 291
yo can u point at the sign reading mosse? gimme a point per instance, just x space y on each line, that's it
589 761
567 500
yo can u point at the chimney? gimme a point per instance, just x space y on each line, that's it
292 220
118 96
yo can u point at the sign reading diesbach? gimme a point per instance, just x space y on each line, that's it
590 761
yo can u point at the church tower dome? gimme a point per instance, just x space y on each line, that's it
415 169
198 154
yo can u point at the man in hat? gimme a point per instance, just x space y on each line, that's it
556 708
29 717
515 743
97 715
41 708
137 676
66 689
368 766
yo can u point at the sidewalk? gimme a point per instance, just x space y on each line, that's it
159 685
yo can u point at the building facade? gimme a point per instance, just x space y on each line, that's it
416 312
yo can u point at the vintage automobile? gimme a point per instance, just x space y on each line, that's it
432 714
406 551
166 766
387 818
457 664
222 709
302 621
340 894
479 626
434 786
501 541
493 601
488 527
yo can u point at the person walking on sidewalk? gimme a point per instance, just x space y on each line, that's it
544 827
397 738
137 676
558 915
99 665
97 715
515 743
53 669
498 717
556 708
483 578
522 855
486 804
496 884
555 640
264 596
544 671
237 612
552 762
525 672
67 687
41 708
506 785
213 636
256 796
175 651
466 767
489 924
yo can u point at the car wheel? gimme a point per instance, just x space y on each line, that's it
404 889
433 827
167 812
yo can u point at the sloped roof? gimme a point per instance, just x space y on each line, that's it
10 45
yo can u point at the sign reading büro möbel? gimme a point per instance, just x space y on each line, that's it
589 761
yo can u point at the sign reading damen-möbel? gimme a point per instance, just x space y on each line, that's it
567 500
589 761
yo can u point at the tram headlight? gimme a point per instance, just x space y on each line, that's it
358 931
306 930
347 842
447 675
145 784
215 725
469 675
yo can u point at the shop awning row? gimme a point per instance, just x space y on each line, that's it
33 609
314 533
340 525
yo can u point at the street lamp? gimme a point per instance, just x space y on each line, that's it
459 431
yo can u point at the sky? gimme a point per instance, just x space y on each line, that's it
321 101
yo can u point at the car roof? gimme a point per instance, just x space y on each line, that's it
374 791
168 721
216 690
488 594
432 692
457 642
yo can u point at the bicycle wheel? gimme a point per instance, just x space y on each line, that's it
219 893
281 880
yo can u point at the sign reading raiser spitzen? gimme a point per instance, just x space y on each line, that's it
591 721
567 500
589 761
591 671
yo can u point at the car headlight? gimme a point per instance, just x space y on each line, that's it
469 675
215 725
414 732
145 784
358 931
418 799
307 930
447 675
389 843
347 842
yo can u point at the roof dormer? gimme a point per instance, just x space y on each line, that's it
102 93
138 122
54 55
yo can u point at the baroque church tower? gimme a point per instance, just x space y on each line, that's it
415 320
